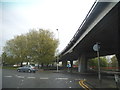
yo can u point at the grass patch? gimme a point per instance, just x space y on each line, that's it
8 67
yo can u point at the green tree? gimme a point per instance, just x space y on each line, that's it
94 62
7 60
16 48
103 62
36 46
42 46
0 60
114 62
4 58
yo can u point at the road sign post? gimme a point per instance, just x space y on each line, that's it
96 48
57 63
117 80
57 56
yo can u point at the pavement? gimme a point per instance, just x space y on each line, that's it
92 81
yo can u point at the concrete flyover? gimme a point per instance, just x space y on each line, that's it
102 24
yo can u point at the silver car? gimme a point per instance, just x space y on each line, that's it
27 68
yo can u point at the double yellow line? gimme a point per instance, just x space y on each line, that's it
81 82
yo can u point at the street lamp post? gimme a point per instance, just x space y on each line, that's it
57 55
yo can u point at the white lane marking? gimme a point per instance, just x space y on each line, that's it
44 78
20 76
7 76
31 77
77 79
70 81
62 78
70 87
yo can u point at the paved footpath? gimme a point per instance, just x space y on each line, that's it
91 79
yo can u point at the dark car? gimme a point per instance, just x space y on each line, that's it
27 68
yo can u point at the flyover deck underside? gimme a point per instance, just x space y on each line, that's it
106 32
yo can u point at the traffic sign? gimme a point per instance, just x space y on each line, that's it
96 47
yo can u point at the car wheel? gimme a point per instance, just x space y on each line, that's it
18 70
29 70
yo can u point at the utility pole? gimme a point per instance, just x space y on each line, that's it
57 55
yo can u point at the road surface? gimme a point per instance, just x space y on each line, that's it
47 79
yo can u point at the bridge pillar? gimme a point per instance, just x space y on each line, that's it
71 62
64 64
118 58
82 64
118 54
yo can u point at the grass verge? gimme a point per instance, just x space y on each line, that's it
8 67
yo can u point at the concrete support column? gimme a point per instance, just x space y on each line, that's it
64 64
82 64
71 62
118 58
118 54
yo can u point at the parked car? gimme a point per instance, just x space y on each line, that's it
27 68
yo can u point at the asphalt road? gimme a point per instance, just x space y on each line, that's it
0 77
14 79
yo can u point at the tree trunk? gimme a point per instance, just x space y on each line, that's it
71 62
42 65
52 64
47 65
38 66
27 63
21 64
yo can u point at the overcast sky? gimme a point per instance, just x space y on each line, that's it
19 16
